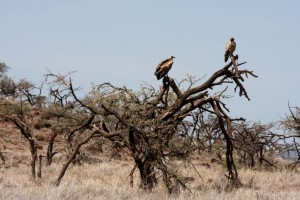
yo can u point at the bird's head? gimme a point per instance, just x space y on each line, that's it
232 39
171 57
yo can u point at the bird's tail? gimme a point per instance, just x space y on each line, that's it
226 56
159 76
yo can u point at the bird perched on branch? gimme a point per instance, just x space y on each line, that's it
164 67
230 47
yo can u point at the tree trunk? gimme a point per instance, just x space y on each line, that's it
147 173
50 153
145 164
252 161
39 174
232 172
2 158
33 151
27 133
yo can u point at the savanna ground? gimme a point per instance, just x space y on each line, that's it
106 178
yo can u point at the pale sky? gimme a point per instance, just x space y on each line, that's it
122 42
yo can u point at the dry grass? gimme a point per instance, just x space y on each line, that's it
109 180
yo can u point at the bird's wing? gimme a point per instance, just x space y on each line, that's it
233 46
227 47
162 63
164 67
167 66
230 47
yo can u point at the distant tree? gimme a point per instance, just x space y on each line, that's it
7 86
205 131
291 124
22 113
29 91
253 141
3 68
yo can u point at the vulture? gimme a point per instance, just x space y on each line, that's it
230 47
164 67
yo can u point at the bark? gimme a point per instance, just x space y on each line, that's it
33 150
27 133
39 174
187 97
233 174
2 158
50 153
145 164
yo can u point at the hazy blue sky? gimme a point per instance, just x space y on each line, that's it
123 41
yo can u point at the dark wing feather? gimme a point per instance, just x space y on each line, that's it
162 63
163 70
226 56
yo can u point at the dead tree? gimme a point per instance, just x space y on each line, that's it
197 97
21 112
291 124
146 121
72 157
90 132
25 129
253 141
297 150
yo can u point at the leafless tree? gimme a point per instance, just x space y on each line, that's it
21 112
253 141
23 124
146 121
291 124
